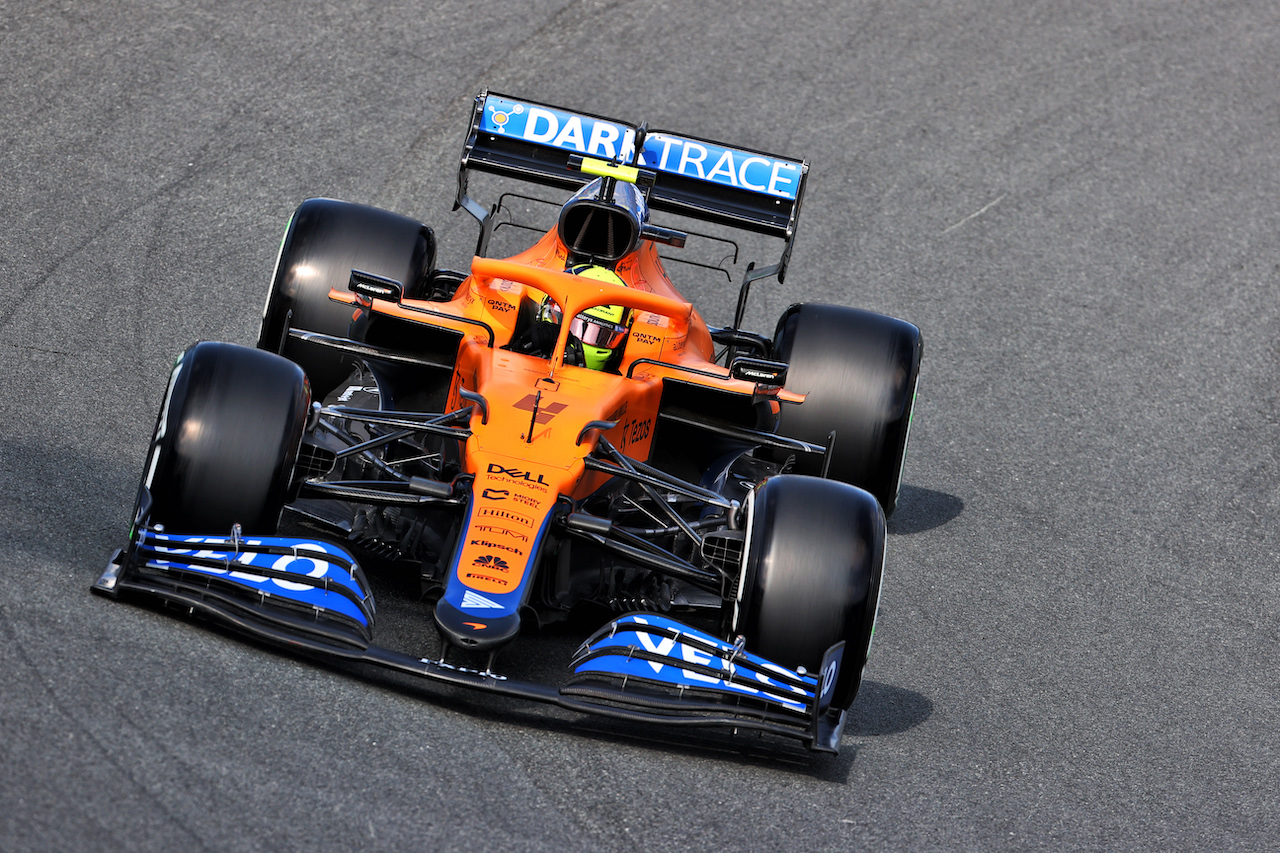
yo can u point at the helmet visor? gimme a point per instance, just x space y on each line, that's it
596 332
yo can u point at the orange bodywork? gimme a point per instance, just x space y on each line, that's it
530 438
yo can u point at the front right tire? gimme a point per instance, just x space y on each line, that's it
811 575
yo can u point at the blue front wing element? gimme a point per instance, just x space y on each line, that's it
289 583
311 595
659 651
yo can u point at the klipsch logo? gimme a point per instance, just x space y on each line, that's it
485 543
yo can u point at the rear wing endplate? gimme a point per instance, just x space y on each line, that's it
706 180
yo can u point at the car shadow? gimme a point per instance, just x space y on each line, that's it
921 509
882 709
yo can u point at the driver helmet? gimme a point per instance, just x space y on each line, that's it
597 331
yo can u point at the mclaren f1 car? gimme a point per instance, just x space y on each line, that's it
550 437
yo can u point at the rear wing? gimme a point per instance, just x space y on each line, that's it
706 180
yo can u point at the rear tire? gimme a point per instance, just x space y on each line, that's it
811 576
226 441
859 371
325 240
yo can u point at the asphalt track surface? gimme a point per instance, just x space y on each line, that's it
1076 202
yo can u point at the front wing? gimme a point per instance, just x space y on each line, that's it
311 596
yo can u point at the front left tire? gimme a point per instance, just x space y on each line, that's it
324 241
226 441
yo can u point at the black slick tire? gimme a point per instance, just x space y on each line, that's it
226 441
859 370
324 241
811 575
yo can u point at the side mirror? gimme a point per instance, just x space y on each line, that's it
375 286
759 370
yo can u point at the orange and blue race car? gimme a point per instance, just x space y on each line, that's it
550 440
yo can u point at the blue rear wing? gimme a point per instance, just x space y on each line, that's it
706 180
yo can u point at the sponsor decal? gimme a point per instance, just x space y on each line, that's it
475 601
495 530
506 515
295 563
442 665
545 412
500 306
829 676
526 500
476 626
455 399
162 426
617 413
488 579
488 561
376 289
308 560
665 152
643 338
516 474
674 653
495 494
353 390
485 543
634 432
